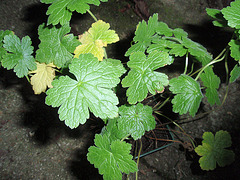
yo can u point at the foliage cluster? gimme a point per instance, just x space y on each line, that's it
89 85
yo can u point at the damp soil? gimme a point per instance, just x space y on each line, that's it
35 144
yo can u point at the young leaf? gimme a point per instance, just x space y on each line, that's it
19 56
55 46
90 89
188 95
135 120
232 14
3 50
213 150
235 73
212 82
60 11
111 158
143 35
235 49
142 77
43 77
94 41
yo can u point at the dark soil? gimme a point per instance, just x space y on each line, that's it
35 144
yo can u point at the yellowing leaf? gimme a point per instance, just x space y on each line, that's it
43 77
95 39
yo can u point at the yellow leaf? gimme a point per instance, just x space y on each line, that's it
95 39
43 77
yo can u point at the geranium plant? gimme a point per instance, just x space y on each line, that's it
89 84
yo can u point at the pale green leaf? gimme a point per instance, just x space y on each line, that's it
55 46
111 158
235 73
232 14
89 90
142 78
211 82
19 56
213 150
188 95
135 120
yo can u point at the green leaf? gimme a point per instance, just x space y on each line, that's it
161 45
89 90
235 49
142 77
19 56
112 131
217 14
143 35
180 33
135 120
213 150
235 73
212 82
2 49
60 11
232 14
163 29
194 48
111 158
188 95
178 50
70 42
55 45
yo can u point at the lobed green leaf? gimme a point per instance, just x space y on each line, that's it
211 82
235 49
19 55
235 73
142 78
111 158
56 46
232 14
60 11
188 95
135 120
89 90
217 14
213 150
2 49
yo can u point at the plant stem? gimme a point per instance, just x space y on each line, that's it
186 64
94 17
125 137
209 64
162 104
139 153
28 79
